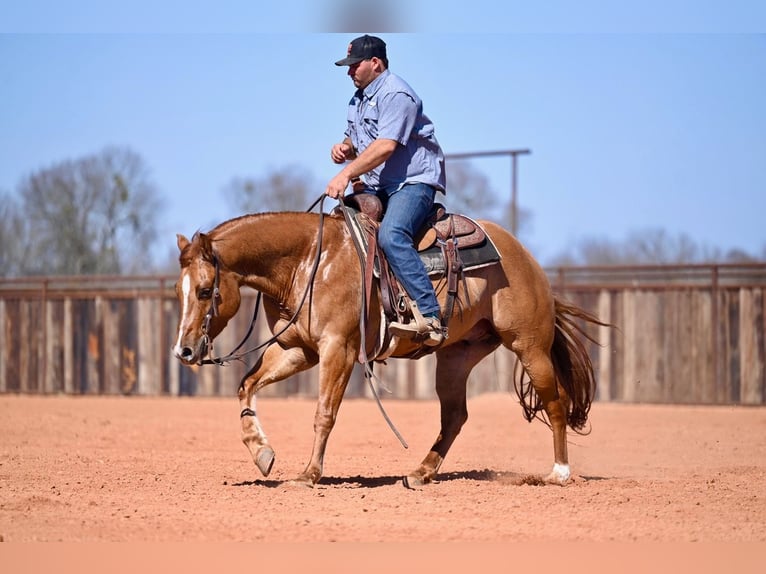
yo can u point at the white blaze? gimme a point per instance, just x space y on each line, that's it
186 291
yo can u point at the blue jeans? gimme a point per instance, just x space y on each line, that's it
407 210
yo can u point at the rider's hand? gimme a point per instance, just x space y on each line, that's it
341 152
337 186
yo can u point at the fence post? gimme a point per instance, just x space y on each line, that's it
715 325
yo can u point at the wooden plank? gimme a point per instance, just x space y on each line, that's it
694 390
52 380
703 340
667 356
207 380
112 347
646 334
127 318
751 345
761 326
617 342
425 377
400 385
682 346
36 347
94 346
604 374
724 346
25 384
631 378
149 382
174 366
4 340
68 345
502 361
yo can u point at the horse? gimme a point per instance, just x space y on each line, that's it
307 269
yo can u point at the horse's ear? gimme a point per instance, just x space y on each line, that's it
182 241
206 246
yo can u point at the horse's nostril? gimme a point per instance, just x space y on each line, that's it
187 353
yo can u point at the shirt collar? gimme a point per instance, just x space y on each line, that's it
374 86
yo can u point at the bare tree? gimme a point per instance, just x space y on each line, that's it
14 242
288 189
93 215
469 192
649 246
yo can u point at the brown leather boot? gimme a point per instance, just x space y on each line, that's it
429 331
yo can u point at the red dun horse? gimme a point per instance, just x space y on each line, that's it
509 303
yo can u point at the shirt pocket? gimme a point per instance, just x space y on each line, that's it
369 120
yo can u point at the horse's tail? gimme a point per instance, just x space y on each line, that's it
571 360
571 364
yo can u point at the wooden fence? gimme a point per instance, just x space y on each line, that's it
691 334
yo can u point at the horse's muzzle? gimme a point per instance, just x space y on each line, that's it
189 355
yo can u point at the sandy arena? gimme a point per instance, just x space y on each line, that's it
173 469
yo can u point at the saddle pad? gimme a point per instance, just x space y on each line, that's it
472 257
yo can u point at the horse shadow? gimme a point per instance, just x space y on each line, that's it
358 481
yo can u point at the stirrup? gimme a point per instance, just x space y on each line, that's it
421 329
430 336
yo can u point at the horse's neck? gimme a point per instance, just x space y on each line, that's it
265 248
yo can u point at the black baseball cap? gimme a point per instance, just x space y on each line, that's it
364 48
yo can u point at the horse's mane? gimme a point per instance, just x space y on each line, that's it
247 219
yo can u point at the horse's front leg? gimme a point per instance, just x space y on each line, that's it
335 369
275 364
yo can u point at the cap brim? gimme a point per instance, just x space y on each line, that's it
348 61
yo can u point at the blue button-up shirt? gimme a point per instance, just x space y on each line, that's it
390 109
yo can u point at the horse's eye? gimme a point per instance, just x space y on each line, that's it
205 293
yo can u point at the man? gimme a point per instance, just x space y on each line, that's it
390 144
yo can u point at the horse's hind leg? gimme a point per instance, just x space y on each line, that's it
538 366
275 364
453 366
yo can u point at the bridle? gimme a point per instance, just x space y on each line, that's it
213 309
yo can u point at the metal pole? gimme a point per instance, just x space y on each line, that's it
514 198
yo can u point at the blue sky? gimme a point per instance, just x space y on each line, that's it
635 122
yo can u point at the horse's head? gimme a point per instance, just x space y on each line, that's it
208 296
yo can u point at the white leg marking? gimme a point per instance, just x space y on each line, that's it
561 471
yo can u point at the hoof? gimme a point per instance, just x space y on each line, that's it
413 482
264 460
300 483
559 475
554 479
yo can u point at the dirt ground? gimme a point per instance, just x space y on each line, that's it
133 469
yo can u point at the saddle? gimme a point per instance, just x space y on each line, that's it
440 226
444 242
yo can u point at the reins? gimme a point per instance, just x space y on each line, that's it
213 310
235 355
369 375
